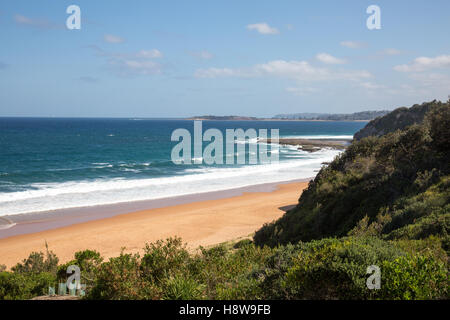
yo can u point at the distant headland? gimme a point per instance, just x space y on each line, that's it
357 116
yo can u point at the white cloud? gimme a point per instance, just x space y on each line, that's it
218 72
353 44
149 54
133 67
329 59
296 70
425 63
431 79
113 39
263 28
38 23
22 19
132 64
291 69
371 85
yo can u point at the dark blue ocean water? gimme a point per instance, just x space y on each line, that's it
48 164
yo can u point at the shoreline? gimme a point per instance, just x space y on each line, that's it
32 222
202 219
262 119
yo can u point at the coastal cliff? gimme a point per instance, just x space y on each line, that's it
400 118
394 182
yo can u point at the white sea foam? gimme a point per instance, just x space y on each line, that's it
52 196
344 137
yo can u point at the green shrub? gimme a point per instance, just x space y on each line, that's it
163 259
35 263
414 277
336 269
182 288
20 286
244 288
271 274
120 279
242 243
88 261
223 270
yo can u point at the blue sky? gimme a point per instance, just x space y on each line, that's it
256 58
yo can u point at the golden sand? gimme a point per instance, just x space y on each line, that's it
200 223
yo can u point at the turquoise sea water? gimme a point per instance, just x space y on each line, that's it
48 164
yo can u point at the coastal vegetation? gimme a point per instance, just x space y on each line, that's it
357 116
363 115
400 118
383 202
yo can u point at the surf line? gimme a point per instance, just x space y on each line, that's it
9 224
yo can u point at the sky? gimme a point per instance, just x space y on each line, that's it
251 58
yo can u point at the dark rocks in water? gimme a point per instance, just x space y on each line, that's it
309 148
312 145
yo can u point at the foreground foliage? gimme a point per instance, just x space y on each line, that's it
320 269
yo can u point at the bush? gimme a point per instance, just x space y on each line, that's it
244 288
20 286
242 243
88 261
35 263
182 288
271 274
336 269
414 277
163 259
120 279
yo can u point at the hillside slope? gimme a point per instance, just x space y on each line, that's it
363 115
398 119
394 186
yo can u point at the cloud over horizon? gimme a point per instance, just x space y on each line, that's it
297 70
37 23
329 59
425 63
263 28
353 44
131 64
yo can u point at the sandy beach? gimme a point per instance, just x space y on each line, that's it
198 223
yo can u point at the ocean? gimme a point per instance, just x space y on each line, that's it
55 163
